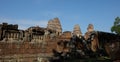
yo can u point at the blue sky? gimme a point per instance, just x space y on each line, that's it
26 13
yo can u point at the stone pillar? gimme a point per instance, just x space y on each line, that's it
17 35
28 37
21 35
6 35
33 37
10 35
4 31
36 37
13 35
39 37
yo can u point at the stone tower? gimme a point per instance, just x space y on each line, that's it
50 25
77 30
90 28
55 25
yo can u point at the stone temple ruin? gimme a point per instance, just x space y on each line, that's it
36 42
10 33
33 42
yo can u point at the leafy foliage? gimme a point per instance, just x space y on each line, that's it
116 27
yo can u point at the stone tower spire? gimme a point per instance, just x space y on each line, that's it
77 30
57 25
50 24
90 28
54 24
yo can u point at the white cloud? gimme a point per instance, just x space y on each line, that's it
24 24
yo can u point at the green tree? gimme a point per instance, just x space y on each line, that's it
116 27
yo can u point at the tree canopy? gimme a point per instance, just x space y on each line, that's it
116 27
